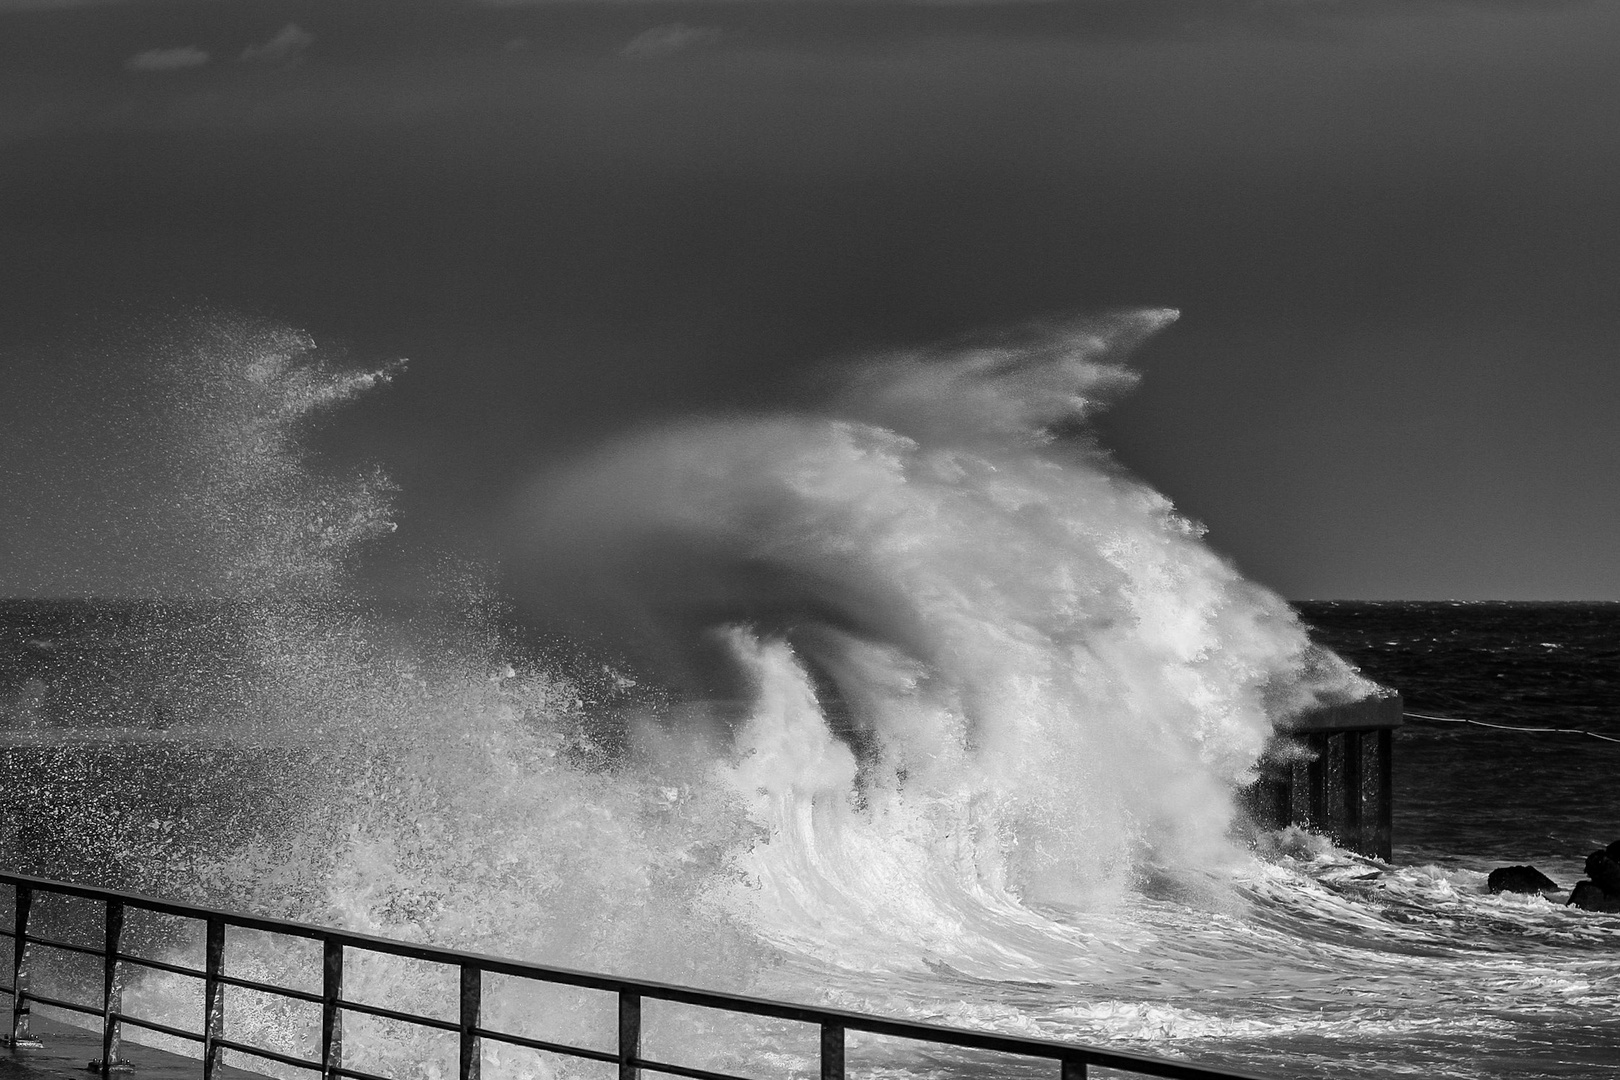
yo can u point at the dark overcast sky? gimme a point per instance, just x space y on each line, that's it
1393 230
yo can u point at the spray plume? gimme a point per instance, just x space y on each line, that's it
951 622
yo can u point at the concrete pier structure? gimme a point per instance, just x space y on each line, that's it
1331 771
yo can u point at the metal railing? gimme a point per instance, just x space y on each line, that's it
1072 1060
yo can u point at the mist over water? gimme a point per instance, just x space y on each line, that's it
911 700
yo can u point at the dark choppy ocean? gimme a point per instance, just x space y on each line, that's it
1468 796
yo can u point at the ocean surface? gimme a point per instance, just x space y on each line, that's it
1467 794
899 705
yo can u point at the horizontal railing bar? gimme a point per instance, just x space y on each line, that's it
65 946
682 1070
392 1014
171 907
61 1003
1046 1049
271 1055
161 965
269 988
549 1047
357 1074
153 1025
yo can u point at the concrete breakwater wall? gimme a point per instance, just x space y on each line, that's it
1331 771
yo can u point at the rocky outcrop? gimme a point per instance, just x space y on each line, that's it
1604 870
1519 879
1589 897
1602 892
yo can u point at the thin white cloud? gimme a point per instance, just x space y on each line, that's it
285 47
184 56
668 39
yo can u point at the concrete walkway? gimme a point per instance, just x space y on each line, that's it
69 1050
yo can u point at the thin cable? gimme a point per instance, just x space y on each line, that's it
1510 727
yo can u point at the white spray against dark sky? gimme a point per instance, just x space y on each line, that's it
974 591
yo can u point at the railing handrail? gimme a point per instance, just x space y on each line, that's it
1073 1056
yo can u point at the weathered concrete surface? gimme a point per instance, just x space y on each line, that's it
69 1050
1383 711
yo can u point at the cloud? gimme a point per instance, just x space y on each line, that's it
285 47
668 39
184 56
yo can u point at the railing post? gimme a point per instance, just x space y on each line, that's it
629 1034
472 994
1074 1069
331 1013
112 996
213 995
832 1051
19 1037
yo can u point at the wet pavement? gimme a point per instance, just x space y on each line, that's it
67 1052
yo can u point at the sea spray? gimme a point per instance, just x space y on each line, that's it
1025 645
916 683
239 402
324 759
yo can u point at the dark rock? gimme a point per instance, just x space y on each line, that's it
1589 897
1613 850
1519 879
1604 871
